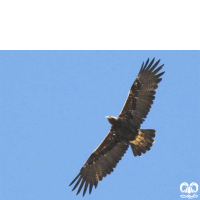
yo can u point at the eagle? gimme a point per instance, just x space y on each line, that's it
125 130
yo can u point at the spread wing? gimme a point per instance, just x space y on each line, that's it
100 163
141 94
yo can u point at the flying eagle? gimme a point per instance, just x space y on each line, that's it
125 130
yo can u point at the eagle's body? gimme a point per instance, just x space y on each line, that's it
125 130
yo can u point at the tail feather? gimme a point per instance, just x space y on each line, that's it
143 142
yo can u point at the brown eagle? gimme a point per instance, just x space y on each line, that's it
125 130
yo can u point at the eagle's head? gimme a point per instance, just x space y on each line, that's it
111 119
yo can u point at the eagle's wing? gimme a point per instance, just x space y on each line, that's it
100 163
141 94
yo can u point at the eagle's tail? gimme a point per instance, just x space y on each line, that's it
143 141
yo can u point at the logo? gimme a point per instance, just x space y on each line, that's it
192 188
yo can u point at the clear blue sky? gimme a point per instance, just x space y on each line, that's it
52 116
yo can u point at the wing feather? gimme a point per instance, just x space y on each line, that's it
81 185
90 189
85 188
101 163
76 182
142 92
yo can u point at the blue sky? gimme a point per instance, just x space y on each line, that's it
52 116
